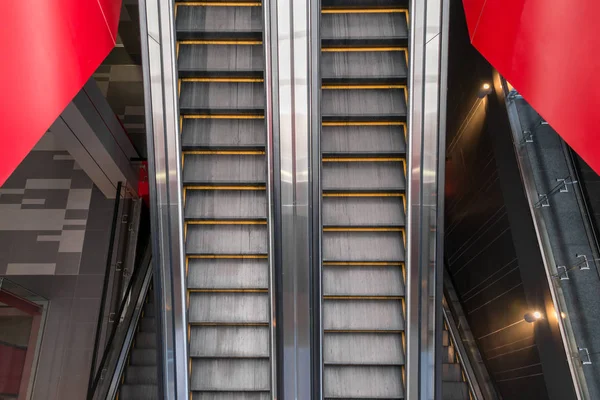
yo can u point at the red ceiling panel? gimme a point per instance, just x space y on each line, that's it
49 50
550 53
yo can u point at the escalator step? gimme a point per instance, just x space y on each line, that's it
227 239
455 391
220 60
224 168
363 246
371 315
218 22
147 324
364 175
451 373
229 308
223 133
363 382
230 396
363 280
358 139
221 97
145 340
360 25
138 392
229 341
230 375
363 348
378 102
142 357
141 375
226 204
228 273
363 211
362 65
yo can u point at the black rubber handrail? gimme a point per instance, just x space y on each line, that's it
113 232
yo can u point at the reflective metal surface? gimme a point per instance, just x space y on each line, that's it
531 190
164 161
426 133
291 85
272 188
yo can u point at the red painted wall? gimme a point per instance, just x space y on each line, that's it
49 49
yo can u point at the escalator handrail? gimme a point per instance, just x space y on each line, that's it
109 256
140 282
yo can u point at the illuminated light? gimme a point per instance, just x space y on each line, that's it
563 315
533 316
485 89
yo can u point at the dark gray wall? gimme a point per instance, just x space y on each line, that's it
71 280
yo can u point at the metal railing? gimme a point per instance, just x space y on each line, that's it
105 381
541 194
120 265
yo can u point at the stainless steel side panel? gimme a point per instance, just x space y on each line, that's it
426 135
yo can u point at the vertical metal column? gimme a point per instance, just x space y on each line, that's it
164 164
291 87
426 135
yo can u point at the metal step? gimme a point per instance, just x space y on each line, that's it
229 342
252 375
363 348
220 22
363 138
376 174
363 63
222 134
142 357
138 392
455 391
228 273
363 280
363 315
363 26
147 324
226 239
145 340
363 211
197 58
230 396
363 246
224 168
197 97
141 375
363 382
381 101
228 308
225 204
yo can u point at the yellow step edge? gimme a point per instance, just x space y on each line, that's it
333 297
367 263
224 152
229 324
362 229
362 49
362 331
222 79
226 256
363 123
363 10
196 290
223 116
226 222
359 194
220 42
363 159
361 87
217 4
200 187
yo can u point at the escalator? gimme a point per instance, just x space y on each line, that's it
363 144
140 376
223 136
